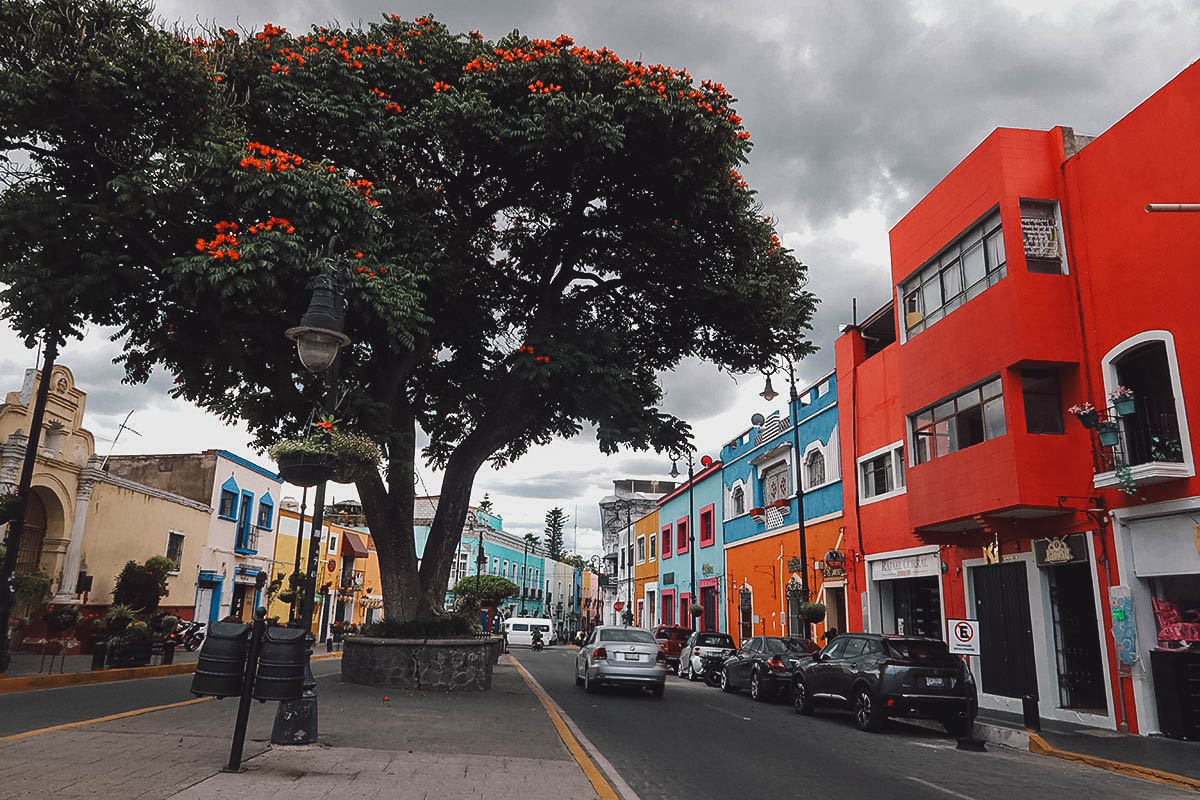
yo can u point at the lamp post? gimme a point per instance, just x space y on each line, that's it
768 393
318 339
691 465
294 578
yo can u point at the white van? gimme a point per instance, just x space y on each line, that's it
519 630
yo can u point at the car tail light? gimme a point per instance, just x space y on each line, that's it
776 664
599 654
661 657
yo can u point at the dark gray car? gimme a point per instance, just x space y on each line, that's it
879 676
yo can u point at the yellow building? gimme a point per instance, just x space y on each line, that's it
348 583
83 523
645 570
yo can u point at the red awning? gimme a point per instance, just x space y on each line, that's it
353 546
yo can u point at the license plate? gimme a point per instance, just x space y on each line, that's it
632 657
939 682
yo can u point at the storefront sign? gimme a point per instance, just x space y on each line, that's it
835 564
964 636
890 569
1059 550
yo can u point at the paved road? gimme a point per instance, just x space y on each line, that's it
25 711
698 742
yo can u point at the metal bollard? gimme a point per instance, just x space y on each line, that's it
168 653
1033 718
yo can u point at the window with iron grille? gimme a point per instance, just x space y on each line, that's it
175 548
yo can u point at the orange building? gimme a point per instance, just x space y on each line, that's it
645 570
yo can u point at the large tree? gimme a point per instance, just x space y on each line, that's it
529 231
556 521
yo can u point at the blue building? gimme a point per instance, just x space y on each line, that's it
691 562
761 515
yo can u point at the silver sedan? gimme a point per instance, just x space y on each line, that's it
621 656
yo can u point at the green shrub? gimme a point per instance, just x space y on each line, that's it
487 590
450 626
31 592
141 586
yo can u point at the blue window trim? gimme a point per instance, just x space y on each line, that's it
265 500
245 551
214 607
229 487
244 523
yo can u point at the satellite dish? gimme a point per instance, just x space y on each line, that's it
706 461
757 419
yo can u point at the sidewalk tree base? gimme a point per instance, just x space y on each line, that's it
436 665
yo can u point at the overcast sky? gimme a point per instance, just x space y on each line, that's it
856 109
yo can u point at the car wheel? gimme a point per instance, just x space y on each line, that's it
578 680
589 685
758 692
868 714
726 686
801 700
679 669
657 691
692 676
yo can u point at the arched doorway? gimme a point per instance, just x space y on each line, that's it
33 535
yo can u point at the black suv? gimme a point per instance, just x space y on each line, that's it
882 676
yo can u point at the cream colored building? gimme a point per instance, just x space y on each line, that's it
83 521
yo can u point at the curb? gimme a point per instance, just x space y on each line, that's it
1040 746
28 683
984 731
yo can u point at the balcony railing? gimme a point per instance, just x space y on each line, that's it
1149 447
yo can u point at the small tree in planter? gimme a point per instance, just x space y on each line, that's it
61 619
131 647
141 586
31 593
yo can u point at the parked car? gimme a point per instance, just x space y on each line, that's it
881 676
621 656
764 664
519 630
671 639
699 645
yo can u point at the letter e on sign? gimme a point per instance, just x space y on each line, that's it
964 636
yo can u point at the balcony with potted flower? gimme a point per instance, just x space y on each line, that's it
1136 441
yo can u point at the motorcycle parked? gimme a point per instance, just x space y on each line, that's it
710 669
190 635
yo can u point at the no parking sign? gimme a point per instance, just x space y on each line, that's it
964 636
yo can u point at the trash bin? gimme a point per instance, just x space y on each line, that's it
281 665
222 663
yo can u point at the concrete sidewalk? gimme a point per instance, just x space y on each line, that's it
28 664
496 744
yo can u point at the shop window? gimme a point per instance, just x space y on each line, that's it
175 549
1176 603
775 484
814 468
968 419
961 272
1043 400
881 474
1039 233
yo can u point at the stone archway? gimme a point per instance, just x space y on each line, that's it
45 534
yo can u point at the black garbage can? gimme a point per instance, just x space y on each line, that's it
168 650
99 653
222 663
281 665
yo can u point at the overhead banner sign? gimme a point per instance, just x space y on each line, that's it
964 636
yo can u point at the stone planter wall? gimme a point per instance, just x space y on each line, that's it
436 665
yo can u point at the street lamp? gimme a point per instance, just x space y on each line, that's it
768 393
691 465
318 339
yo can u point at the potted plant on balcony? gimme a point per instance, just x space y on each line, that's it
1122 400
1109 432
1086 413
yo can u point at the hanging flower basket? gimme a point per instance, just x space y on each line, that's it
1109 432
1122 399
302 468
1086 414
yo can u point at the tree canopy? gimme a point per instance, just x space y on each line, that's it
526 233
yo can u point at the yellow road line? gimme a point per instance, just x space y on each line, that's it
593 773
1040 746
26 683
109 718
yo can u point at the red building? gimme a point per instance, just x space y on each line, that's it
1029 281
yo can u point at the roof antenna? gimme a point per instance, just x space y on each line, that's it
120 429
854 310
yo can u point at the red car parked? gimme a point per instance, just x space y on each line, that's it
671 639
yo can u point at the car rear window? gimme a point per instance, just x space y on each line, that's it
627 635
916 650
714 640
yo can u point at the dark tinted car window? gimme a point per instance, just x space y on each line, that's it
714 640
773 644
801 645
835 650
854 647
520 626
917 650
